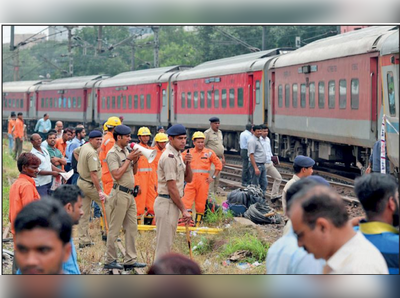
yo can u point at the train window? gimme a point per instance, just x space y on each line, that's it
79 101
183 100
209 99
331 94
113 102
240 97
22 103
195 99
223 98
189 100
258 92
17 103
69 102
135 102
108 102
74 102
164 97
47 102
31 102
202 103
118 101
60 102
294 95
321 95
216 99
148 101
51 102
103 102
65 102
287 95
42 102
124 102
342 94
280 96
141 101
355 93
130 101
231 98
9 103
311 95
303 95
391 97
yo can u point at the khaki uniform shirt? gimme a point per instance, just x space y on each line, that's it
170 167
89 161
214 141
115 158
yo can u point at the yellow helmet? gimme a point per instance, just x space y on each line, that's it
161 137
198 135
144 131
112 122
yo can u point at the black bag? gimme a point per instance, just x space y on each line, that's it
261 213
241 199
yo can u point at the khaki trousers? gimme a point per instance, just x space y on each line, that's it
91 194
215 183
18 147
273 172
167 215
122 208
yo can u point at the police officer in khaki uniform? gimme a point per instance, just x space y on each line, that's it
215 141
172 171
89 169
122 166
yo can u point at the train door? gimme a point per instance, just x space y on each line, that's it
158 103
174 102
374 98
251 98
86 107
271 101
164 113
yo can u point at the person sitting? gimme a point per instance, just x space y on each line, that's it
379 197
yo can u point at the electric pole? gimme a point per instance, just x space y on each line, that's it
99 40
264 40
133 54
16 55
71 65
156 45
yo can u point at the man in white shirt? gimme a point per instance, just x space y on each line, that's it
59 129
43 126
321 223
46 169
244 139
269 165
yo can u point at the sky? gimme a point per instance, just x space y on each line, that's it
21 30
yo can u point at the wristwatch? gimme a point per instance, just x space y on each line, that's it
214 176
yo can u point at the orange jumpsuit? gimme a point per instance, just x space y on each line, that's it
197 190
154 164
106 178
145 178
62 146
22 192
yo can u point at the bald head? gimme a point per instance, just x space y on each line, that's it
59 126
36 140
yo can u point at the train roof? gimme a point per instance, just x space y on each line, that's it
231 65
145 76
391 44
21 86
341 45
73 83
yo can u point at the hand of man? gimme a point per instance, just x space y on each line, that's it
139 190
209 180
134 155
186 216
368 170
54 173
257 171
188 158
102 196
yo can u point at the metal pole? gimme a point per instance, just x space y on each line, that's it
264 40
71 65
156 45
133 54
99 40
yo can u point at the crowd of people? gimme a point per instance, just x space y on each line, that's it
108 169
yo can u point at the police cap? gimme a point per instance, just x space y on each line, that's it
176 130
318 179
160 127
214 119
303 161
122 130
95 134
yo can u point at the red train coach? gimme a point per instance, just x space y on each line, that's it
325 98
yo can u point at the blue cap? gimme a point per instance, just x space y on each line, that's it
160 127
304 161
214 119
318 179
95 134
176 130
122 130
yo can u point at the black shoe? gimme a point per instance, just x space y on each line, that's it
83 245
134 265
273 200
113 265
104 238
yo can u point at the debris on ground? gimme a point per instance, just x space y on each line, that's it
239 255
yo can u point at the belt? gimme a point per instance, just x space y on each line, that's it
86 180
123 189
200 171
164 196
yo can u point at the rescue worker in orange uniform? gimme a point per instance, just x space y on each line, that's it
197 190
160 141
145 179
106 145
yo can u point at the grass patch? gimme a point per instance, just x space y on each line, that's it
204 245
252 243
218 216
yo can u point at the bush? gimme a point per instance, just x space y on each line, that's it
255 246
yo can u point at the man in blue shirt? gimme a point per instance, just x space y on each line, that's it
244 138
379 196
43 126
76 142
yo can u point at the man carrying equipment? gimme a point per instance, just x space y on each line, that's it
172 171
145 179
197 190
89 169
122 166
